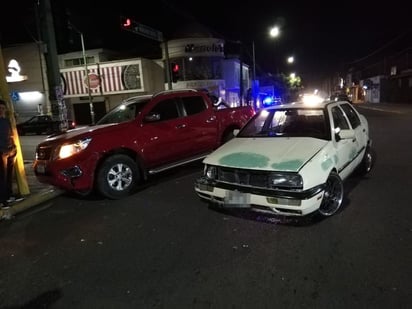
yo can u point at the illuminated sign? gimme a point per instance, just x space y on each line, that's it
14 70
212 48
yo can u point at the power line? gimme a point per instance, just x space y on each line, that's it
379 49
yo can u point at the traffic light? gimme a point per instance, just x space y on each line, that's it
175 71
126 23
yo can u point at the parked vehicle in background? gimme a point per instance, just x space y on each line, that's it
289 160
41 124
71 124
340 97
143 135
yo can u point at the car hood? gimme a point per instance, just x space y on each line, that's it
277 154
81 132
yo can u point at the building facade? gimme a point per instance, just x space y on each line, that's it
95 81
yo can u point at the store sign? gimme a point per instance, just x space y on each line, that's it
204 48
15 96
93 79
14 70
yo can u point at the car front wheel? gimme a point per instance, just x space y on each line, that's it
332 196
117 177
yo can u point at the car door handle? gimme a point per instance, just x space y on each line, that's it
180 126
211 119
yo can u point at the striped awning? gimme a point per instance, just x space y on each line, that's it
103 79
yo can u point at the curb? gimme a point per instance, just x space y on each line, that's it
30 201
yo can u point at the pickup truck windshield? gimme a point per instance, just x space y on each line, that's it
123 113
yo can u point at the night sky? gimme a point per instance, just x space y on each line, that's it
322 36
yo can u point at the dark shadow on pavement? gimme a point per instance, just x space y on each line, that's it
43 301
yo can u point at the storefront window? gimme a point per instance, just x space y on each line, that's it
200 68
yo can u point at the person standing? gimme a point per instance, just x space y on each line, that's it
8 156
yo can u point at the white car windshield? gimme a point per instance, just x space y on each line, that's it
288 122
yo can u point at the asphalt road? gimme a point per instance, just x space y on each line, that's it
163 248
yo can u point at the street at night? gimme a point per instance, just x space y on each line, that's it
164 248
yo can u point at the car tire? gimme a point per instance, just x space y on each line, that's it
332 196
117 177
367 162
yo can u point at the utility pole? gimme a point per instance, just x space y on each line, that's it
58 106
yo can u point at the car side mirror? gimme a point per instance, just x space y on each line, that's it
344 134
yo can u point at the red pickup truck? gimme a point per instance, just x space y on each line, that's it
143 135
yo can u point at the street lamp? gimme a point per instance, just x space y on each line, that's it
274 32
290 59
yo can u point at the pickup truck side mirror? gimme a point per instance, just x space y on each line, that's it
152 117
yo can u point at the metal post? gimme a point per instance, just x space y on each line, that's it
88 79
21 178
254 84
167 63
254 60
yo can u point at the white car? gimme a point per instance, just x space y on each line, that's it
289 160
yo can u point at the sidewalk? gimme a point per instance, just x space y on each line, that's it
39 193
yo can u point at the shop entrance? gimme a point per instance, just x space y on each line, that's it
82 112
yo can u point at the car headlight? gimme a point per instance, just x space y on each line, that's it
210 172
286 181
67 150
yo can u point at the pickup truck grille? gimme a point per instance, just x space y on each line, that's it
44 152
244 177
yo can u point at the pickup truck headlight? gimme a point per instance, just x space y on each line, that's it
286 181
210 172
67 150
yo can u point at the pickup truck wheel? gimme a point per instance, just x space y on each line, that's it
117 177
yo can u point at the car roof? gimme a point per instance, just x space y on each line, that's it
304 105
298 105
137 98
163 92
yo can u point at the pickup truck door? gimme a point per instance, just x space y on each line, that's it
201 124
165 137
